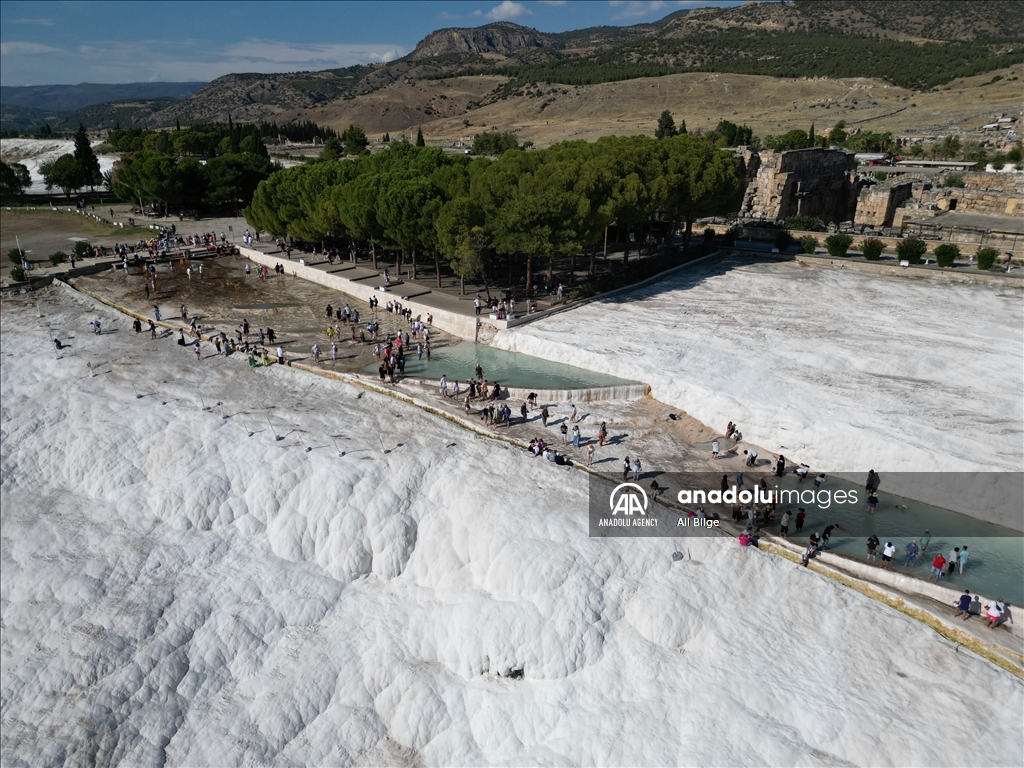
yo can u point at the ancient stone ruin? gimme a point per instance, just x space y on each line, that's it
807 182
826 184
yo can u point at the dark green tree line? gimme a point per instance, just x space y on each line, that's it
418 201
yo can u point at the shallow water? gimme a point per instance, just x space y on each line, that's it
996 564
510 369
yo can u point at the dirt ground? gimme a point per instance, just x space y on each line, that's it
224 297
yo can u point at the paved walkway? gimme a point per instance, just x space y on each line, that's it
423 290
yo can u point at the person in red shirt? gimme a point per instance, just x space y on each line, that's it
937 565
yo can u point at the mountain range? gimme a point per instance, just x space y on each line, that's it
918 45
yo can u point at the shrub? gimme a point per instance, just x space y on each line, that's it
15 256
911 250
57 258
808 243
880 175
803 223
838 244
82 249
783 240
730 235
986 257
872 248
946 254
18 274
954 180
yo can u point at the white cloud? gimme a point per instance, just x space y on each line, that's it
337 54
509 11
38 22
26 49
635 9
180 60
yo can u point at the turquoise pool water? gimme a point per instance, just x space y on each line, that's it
510 369
996 565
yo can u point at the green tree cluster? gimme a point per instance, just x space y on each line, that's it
205 140
224 181
71 172
728 134
418 201
355 140
296 130
667 126
494 143
829 53
14 180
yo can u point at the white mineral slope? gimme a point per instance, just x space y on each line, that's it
843 371
174 591
32 153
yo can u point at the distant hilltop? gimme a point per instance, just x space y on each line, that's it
65 98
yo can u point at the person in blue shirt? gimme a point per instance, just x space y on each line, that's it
963 605
912 550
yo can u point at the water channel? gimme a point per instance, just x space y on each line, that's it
510 369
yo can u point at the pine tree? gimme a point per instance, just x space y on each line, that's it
419 138
387 138
812 136
177 125
682 127
86 158
666 126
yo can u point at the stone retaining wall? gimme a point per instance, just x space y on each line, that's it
877 204
893 269
463 326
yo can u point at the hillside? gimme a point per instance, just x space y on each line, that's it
914 45
127 114
550 112
13 116
523 43
939 20
454 73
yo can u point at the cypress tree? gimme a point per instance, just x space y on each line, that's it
86 158
419 138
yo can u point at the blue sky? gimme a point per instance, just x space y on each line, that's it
119 42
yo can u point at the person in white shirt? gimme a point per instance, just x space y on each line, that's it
888 552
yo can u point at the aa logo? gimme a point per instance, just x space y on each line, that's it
628 498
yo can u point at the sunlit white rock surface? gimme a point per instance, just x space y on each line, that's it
176 591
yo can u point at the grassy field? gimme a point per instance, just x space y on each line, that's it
44 231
